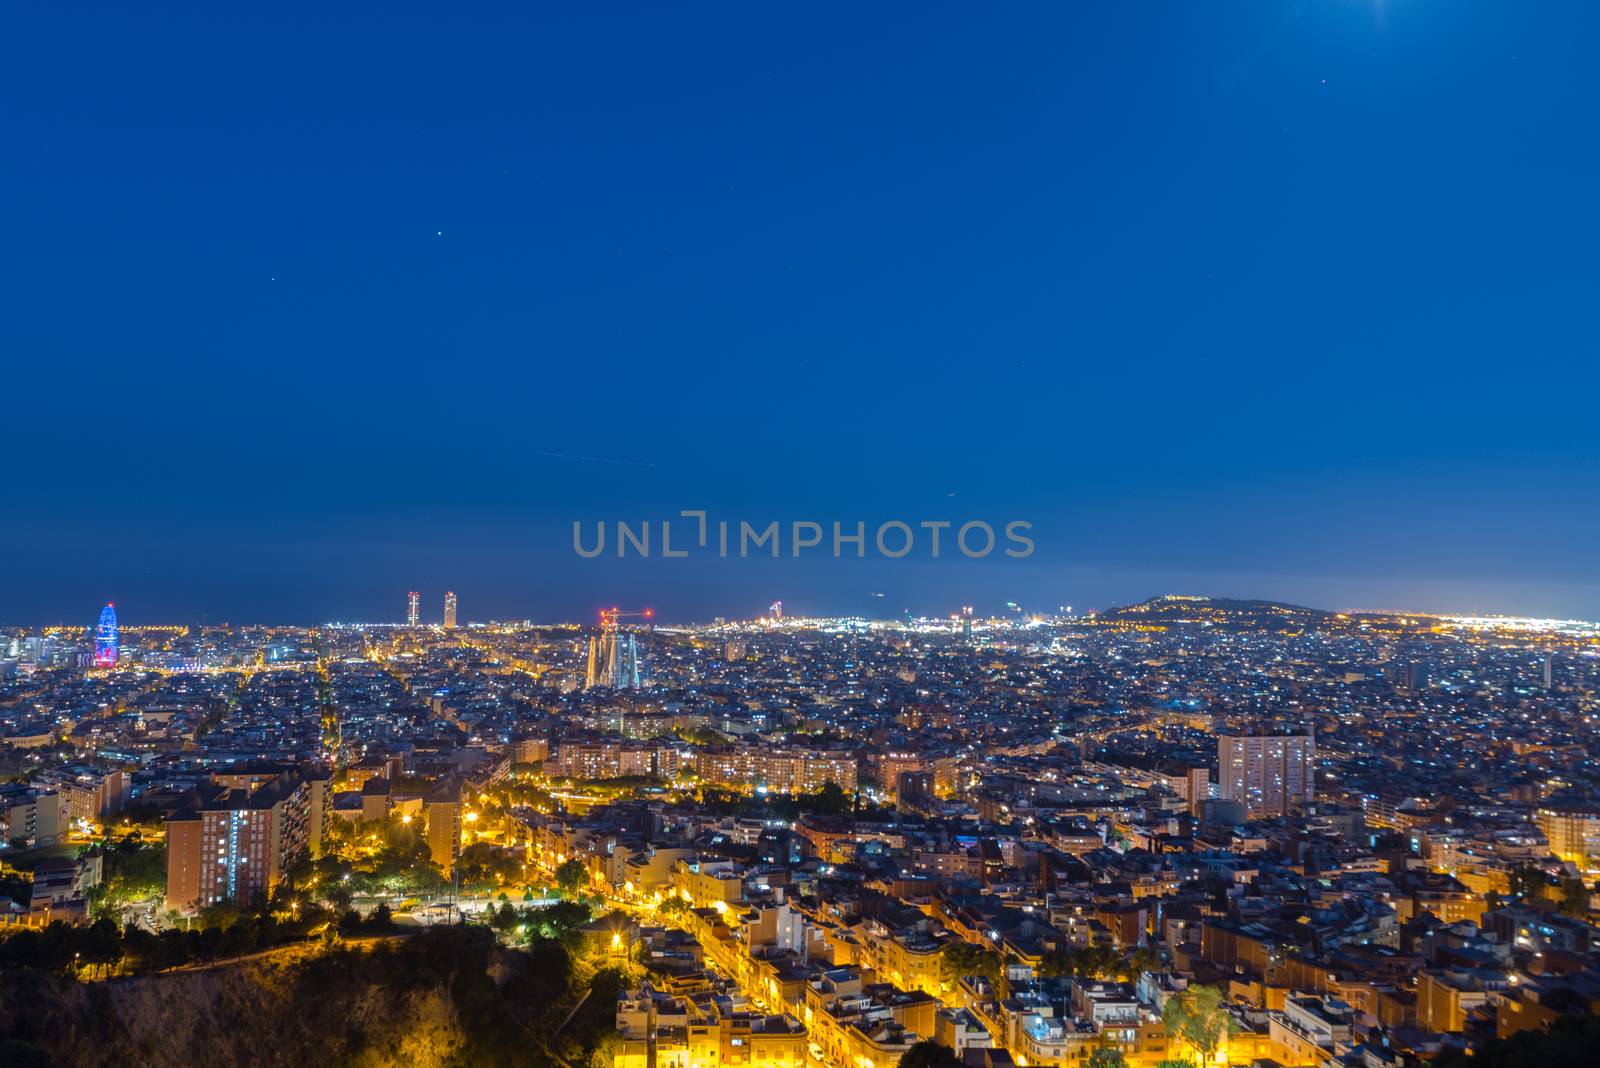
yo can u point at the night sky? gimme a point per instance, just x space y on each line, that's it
309 305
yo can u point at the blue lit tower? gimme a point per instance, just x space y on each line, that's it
105 638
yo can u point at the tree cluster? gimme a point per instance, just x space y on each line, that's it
102 949
560 921
1570 1042
1099 962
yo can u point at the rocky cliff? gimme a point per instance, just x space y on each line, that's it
447 998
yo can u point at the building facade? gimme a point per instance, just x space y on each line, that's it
1271 774
236 844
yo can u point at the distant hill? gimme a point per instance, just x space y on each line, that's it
1228 613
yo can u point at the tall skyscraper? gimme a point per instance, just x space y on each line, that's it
1272 774
413 600
106 643
450 610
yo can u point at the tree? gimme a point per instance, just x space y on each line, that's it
1144 959
1091 962
393 857
102 945
571 878
218 915
929 1054
959 959
1574 897
17 885
504 918
831 800
561 920
20 1054
1107 1057
1526 881
338 896
1199 1017
487 867
1569 1043
134 873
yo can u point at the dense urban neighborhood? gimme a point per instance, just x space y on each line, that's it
1187 831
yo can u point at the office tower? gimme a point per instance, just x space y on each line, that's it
105 638
1549 670
450 610
413 599
1270 774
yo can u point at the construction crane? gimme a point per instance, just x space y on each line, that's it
614 656
609 616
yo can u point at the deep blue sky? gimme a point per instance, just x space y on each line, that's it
308 305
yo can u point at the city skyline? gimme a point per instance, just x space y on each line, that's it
1362 835
597 616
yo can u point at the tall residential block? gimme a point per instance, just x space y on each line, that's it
233 843
1271 774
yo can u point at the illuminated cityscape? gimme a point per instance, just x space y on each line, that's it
1021 838
800 536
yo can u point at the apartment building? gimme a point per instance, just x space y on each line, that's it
232 844
1271 774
